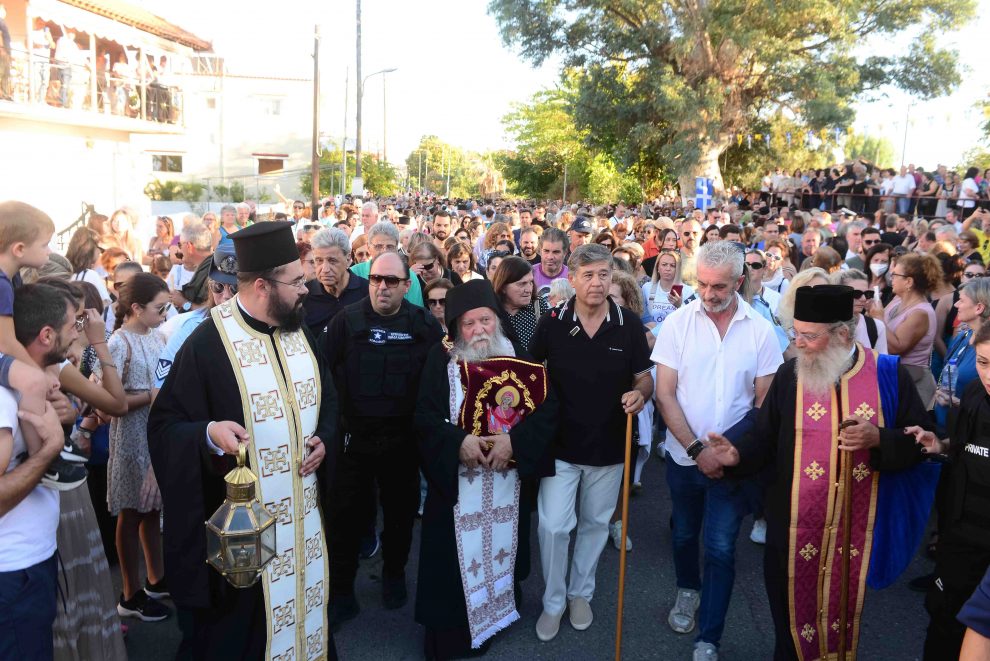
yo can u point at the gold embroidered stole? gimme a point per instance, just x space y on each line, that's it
280 413
816 525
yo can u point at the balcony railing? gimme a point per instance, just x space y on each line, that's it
38 79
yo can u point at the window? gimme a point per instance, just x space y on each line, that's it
266 165
270 106
166 163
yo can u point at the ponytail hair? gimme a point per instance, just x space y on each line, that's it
141 289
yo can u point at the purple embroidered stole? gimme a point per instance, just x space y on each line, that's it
816 525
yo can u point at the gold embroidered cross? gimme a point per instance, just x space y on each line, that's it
853 551
809 551
861 472
816 411
808 632
865 411
814 470
835 626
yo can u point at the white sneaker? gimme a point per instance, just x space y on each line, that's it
759 532
705 652
615 532
681 617
548 625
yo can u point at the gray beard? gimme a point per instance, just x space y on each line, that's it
821 372
497 345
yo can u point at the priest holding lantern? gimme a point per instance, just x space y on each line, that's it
851 499
248 380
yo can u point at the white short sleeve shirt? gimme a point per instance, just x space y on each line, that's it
715 376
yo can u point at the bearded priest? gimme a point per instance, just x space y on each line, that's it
835 402
475 534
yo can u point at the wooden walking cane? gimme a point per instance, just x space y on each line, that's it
846 459
622 543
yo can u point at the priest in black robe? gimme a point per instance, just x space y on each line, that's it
827 356
440 602
217 620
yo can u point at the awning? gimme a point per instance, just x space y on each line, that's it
120 22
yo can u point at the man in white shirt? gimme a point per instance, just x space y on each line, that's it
619 217
28 511
902 187
196 244
369 216
733 356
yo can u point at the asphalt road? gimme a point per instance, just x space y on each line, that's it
893 623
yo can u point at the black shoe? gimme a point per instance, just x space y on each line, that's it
343 608
157 591
394 593
72 453
922 583
142 607
63 475
370 546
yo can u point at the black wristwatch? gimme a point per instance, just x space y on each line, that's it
695 449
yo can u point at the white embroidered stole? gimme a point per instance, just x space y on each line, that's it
280 413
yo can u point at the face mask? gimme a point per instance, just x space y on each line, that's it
878 269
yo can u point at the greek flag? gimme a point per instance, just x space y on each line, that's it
704 189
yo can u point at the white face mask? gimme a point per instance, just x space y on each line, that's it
878 269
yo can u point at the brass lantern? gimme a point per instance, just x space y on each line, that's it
240 536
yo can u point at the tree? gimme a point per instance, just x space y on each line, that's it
174 190
380 177
427 167
876 150
675 81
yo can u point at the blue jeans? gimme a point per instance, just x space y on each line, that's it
717 507
903 205
27 611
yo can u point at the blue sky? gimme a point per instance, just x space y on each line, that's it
456 80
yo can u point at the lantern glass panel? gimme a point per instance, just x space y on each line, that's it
212 545
219 518
267 543
241 520
242 552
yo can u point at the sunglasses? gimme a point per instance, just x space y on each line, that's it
756 266
163 309
868 294
436 302
429 266
298 206
974 274
867 242
218 287
772 257
312 228
391 281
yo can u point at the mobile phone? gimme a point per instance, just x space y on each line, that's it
677 289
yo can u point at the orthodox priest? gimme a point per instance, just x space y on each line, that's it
835 402
475 535
249 374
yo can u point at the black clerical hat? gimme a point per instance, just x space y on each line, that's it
264 246
824 304
469 296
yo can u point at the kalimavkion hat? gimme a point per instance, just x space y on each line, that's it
824 304
264 246
469 296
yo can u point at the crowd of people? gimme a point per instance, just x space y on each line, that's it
471 363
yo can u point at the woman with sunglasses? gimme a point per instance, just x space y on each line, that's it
870 332
778 272
435 297
132 490
607 239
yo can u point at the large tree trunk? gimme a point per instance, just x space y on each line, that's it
705 166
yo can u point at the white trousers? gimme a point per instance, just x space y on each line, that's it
597 487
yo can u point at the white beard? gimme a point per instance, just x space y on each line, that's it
482 347
820 372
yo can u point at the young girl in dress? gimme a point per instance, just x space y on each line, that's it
132 491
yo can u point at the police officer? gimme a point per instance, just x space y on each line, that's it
962 555
376 349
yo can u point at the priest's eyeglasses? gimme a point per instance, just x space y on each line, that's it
298 283
807 337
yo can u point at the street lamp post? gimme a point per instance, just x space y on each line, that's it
357 185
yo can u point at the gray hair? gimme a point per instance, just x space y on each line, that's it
370 205
553 235
844 276
978 290
717 254
228 207
331 237
242 205
592 253
199 235
561 288
383 228
858 224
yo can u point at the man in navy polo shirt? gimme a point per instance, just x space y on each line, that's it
599 365
335 286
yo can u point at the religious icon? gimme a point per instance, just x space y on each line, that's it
505 415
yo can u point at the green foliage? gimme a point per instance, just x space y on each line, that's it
670 83
876 150
427 166
379 177
743 164
976 157
232 193
167 191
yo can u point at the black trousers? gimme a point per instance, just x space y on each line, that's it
392 463
775 578
958 572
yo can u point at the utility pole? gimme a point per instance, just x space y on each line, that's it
315 162
448 172
565 182
421 171
384 119
357 186
343 142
